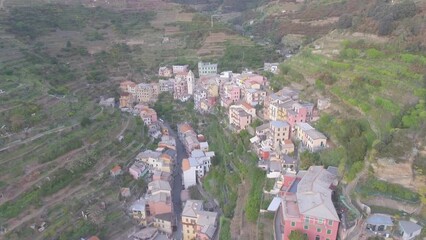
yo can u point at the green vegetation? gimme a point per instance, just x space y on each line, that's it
253 203
237 58
355 137
297 235
225 228
80 228
194 193
32 22
59 148
373 186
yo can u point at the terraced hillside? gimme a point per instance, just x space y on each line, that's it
377 109
57 144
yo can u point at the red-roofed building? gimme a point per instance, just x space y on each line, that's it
115 171
93 238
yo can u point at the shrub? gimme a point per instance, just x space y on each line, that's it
385 26
349 53
345 21
297 235
374 186
327 78
374 53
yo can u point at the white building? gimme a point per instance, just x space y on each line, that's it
166 85
151 158
196 166
409 230
206 68
177 69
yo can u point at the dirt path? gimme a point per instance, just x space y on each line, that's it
27 182
10 108
22 154
240 228
49 201
124 128
20 142
55 130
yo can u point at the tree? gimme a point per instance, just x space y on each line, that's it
297 235
345 21
385 26
85 122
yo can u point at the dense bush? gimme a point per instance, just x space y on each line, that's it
327 78
386 14
60 147
32 22
345 21
297 235
252 206
237 58
374 186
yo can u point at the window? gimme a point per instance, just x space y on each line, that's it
307 219
293 224
330 222
319 230
329 231
320 221
306 227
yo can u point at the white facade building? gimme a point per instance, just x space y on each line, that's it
207 68
196 166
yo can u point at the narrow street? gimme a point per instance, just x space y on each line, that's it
177 182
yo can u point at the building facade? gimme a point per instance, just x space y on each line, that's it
206 68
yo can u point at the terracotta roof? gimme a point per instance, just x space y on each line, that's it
246 105
185 164
116 169
166 156
93 238
185 128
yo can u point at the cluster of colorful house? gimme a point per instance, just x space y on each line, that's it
154 210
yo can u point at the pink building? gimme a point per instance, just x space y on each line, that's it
126 85
306 205
239 118
138 170
251 79
231 94
159 197
300 112
147 114
159 204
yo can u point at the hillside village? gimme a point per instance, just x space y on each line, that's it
281 126
212 119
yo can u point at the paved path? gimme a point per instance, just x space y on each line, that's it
177 182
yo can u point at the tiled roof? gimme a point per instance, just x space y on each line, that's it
159 185
185 164
409 227
314 134
116 169
191 208
279 124
314 194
